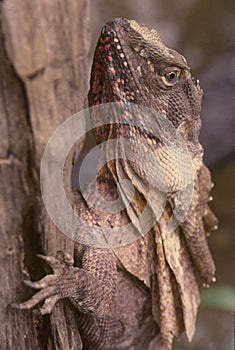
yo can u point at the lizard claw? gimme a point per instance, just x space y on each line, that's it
56 263
41 295
51 285
45 281
66 259
86 291
48 306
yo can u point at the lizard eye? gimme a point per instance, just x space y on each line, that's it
170 78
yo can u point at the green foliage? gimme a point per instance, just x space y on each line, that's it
219 297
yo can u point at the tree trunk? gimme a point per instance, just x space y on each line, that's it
43 80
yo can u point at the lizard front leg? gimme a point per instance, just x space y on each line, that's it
91 288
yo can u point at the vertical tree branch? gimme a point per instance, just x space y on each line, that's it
43 80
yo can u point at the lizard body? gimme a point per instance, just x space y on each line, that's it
127 294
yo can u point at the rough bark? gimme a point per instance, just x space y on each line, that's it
43 80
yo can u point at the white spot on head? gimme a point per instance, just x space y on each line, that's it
184 59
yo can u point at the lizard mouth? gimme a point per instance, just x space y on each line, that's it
108 30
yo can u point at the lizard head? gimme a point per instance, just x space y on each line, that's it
139 68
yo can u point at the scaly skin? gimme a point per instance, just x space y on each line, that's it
128 294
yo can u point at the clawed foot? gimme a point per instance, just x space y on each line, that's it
51 286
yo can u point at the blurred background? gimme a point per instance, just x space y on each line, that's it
204 32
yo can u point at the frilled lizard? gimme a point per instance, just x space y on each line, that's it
129 293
